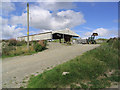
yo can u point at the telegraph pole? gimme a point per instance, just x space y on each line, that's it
28 26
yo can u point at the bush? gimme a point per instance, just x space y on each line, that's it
6 50
34 42
14 48
38 47
45 44
21 43
114 43
12 42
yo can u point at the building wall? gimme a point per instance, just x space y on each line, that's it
44 36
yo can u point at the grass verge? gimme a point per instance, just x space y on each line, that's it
97 68
18 48
28 53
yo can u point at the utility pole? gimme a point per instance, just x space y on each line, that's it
28 26
63 38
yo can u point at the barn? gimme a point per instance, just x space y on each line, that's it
65 34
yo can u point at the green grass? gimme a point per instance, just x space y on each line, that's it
12 51
84 70
12 55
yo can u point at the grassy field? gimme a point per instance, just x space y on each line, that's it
97 68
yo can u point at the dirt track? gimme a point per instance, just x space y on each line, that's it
15 69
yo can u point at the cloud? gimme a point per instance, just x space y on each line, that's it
69 19
7 7
10 31
44 16
3 21
43 19
102 32
19 19
53 6
88 28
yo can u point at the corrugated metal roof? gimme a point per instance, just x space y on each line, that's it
37 34
66 31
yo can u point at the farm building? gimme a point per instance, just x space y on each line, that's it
65 34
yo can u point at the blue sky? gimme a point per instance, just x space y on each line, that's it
98 15
84 18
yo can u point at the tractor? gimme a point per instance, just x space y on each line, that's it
91 40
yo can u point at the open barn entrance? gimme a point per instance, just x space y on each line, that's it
65 35
66 38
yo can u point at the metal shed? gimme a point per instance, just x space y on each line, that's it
65 34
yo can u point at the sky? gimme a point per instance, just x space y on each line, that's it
84 18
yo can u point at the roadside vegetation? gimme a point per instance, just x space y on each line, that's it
12 47
97 68
101 40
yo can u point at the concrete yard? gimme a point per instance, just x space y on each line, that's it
15 69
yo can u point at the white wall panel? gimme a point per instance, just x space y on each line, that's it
44 36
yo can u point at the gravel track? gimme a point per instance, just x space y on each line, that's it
15 69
